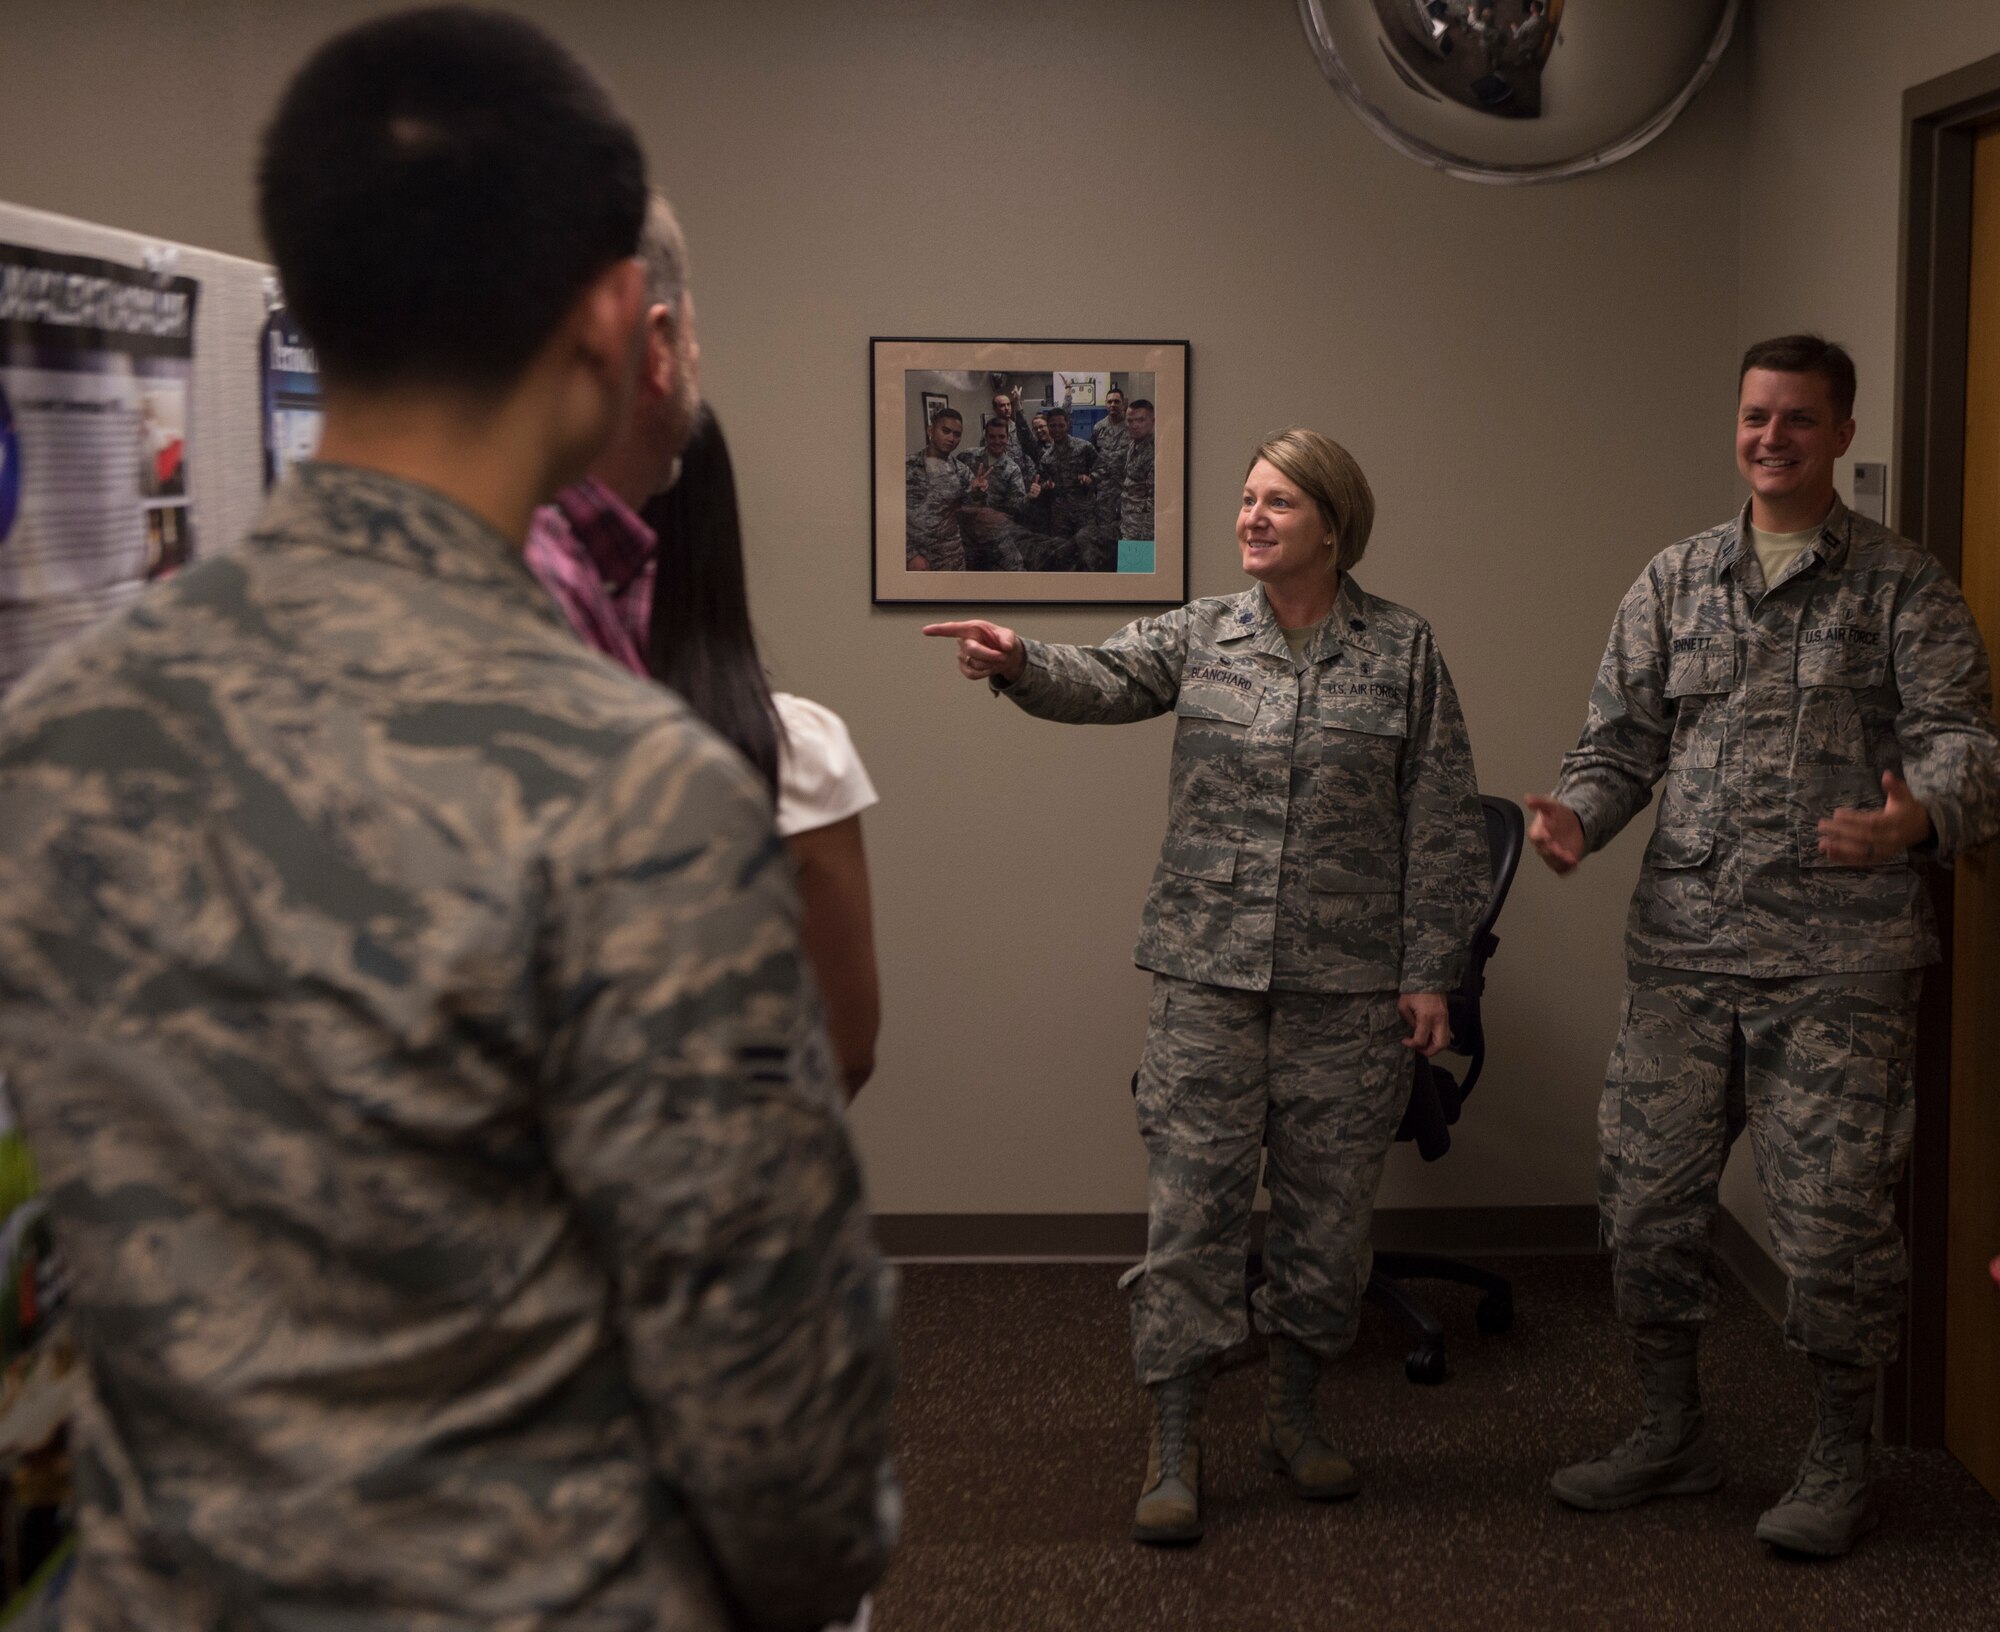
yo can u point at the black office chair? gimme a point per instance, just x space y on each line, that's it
1436 1097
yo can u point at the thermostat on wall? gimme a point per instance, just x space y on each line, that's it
1871 489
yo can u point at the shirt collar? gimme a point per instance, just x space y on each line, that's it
1828 545
1251 618
618 543
371 513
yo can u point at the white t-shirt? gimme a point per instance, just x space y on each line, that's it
821 779
1777 551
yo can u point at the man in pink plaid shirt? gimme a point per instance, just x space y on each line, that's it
588 548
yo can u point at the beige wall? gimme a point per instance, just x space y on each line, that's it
1538 382
1822 201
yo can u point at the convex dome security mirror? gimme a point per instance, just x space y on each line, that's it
1518 90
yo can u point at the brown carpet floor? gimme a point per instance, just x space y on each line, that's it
1023 1441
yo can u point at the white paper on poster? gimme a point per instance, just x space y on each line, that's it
1080 390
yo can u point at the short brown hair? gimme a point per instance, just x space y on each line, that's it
1806 354
1327 474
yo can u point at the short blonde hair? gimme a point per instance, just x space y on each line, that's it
1326 473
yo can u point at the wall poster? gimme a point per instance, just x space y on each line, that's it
288 374
96 360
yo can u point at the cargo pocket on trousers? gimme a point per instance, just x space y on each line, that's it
1876 1124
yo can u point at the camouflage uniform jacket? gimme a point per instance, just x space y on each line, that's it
1323 826
1006 489
405 1007
1109 439
1023 444
933 490
1062 465
1135 510
1766 709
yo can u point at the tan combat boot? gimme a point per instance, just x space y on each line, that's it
1290 1437
1669 1453
1169 1507
1828 1510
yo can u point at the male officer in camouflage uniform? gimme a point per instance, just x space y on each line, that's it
996 498
1818 699
1135 505
1021 439
405 1005
1110 434
935 486
1325 860
1068 475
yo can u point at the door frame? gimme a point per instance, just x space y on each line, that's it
1941 120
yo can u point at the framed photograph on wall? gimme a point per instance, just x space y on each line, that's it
1017 472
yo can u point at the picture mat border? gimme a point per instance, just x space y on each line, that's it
1172 391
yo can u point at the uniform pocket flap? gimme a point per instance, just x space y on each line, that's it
1376 710
1680 846
1213 863
1702 669
1331 878
1835 662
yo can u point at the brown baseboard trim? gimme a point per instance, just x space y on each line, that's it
1121 1237
1740 1254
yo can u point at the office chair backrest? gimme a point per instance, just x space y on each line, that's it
1436 1096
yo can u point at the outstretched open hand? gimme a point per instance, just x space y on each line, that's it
1555 832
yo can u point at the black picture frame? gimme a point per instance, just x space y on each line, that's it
906 372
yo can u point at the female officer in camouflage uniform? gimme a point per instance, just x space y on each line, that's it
1324 862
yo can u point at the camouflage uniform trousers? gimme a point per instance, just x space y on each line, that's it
1319 1079
1820 1069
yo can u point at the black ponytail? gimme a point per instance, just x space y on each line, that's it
702 644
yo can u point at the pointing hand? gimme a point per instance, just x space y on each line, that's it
986 651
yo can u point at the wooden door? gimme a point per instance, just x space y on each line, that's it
1972 1303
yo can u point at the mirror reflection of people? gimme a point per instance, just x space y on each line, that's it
1528 38
934 487
1816 697
1324 863
702 646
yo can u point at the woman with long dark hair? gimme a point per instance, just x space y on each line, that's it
703 647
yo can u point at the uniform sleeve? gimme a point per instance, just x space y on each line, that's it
1951 751
1031 459
1608 777
915 495
692 1108
1134 675
1446 868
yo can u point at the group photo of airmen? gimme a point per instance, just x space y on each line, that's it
1013 474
